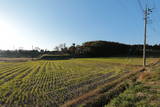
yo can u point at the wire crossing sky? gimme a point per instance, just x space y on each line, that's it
47 23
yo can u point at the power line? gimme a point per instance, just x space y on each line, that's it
155 21
154 3
140 5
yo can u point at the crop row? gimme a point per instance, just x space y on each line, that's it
49 82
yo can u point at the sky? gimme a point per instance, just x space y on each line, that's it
48 23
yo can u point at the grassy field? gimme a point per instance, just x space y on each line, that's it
48 83
145 92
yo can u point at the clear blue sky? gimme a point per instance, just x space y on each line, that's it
47 23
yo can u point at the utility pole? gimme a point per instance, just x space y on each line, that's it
145 35
147 12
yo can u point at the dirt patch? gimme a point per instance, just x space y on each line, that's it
144 75
15 59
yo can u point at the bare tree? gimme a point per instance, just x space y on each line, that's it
56 48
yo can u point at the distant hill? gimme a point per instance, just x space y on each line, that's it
109 49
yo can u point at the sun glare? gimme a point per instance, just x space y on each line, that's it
8 34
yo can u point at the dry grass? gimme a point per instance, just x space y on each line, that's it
15 59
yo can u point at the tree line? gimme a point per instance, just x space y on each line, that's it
111 49
89 49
